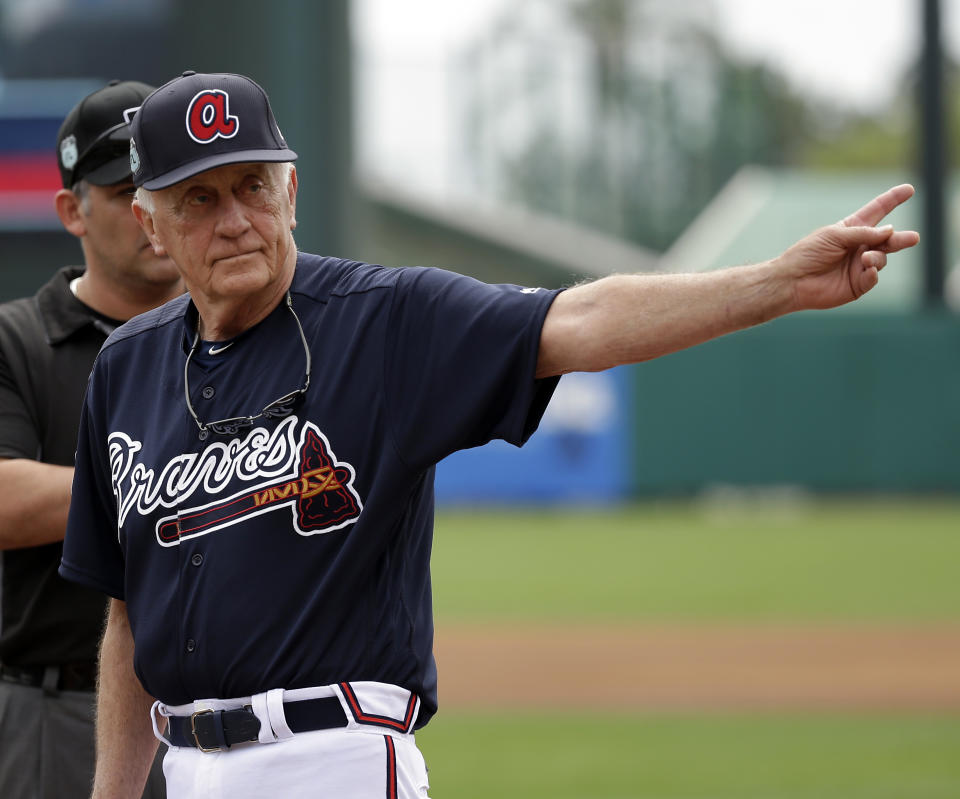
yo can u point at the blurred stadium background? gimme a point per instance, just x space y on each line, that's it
790 493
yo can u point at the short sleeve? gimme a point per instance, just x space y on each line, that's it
460 363
18 428
92 555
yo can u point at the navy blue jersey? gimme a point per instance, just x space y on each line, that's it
294 552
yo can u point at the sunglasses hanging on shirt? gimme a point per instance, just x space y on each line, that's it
279 408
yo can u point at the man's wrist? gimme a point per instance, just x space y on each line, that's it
765 291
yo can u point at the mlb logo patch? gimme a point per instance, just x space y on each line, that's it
134 158
68 152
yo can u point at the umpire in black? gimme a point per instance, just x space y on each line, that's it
49 628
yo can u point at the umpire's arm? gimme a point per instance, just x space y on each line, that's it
631 318
126 745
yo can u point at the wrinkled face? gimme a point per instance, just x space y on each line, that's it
116 243
229 230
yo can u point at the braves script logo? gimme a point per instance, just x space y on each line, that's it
208 117
300 473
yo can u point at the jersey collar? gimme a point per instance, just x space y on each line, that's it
63 314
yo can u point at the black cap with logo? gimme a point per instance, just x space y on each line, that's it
201 121
93 142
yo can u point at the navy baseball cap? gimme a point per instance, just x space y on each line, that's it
93 141
201 121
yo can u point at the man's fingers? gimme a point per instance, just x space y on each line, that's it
868 279
901 240
884 239
880 206
872 259
873 238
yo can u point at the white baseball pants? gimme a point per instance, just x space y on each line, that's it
359 761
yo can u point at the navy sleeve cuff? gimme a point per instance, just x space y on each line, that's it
85 578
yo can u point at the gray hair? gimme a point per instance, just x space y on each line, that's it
145 199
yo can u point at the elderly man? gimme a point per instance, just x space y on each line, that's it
255 464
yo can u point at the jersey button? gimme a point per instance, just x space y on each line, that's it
191 645
203 435
208 392
197 559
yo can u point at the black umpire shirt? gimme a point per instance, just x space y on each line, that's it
48 343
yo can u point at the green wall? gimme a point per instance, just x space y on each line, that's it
29 258
394 236
824 400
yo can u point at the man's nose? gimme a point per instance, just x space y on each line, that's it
231 218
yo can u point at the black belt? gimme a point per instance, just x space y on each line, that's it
215 730
77 676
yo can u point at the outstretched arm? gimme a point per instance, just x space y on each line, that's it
631 318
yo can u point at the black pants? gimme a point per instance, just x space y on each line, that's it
47 745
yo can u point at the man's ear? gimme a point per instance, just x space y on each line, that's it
292 193
145 218
68 209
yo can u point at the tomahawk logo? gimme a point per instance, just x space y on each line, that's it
208 116
302 474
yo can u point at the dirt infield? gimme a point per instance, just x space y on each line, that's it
678 668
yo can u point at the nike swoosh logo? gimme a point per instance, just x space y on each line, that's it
218 350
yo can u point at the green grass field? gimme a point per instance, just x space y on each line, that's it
841 561
804 757
838 561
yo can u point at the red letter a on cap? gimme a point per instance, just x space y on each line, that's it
208 117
